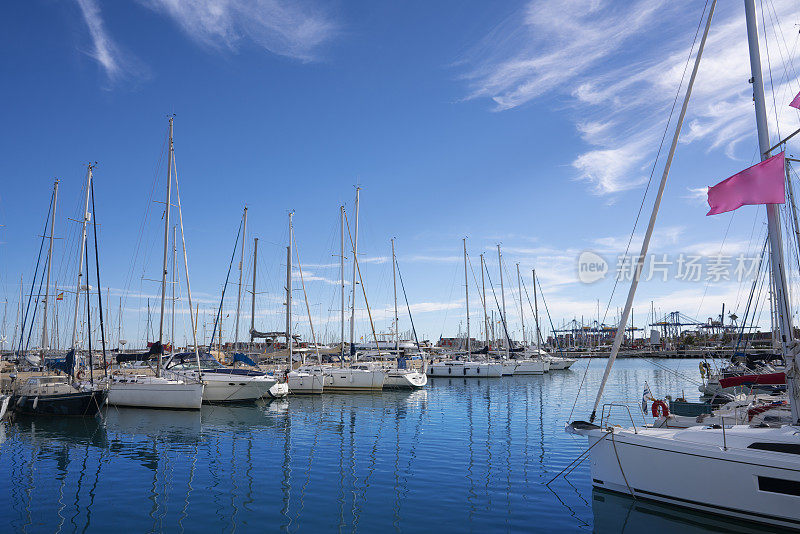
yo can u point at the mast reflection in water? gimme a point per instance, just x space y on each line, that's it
460 455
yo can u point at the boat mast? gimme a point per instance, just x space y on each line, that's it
289 290
396 318
174 282
503 297
620 334
466 294
521 307
341 276
536 313
353 300
783 312
80 256
485 315
49 267
241 265
167 207
253 300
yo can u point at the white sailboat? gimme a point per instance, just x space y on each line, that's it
755 470
306 379
468 368
354 377
400 377
159 391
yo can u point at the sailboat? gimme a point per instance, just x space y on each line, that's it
355 377
159 391
60 394
754 470
467 368
306 379
400 377
222 384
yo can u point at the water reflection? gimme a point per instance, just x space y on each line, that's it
460 455
621 514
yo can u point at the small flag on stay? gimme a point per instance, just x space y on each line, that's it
646 395
60 296
796 102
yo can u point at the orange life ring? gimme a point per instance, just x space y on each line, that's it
660 408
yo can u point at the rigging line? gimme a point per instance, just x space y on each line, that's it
361 281
769 69
658 153
550 319
750 299
502 319
719 254
647 188
33 282
528 297
224 287
99 287
140 237
408 306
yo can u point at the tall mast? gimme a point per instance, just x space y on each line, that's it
253 300
289 289
396 318
485 315
341 274
521 307
466 293
503 297
174 282
80 256
49 267
536 313
241 265
119 327
167 207
620 334
784 316
353 300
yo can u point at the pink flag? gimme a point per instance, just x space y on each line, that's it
796 102
760 184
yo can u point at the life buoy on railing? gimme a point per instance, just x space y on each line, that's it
660 409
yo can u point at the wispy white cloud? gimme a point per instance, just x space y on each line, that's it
294 29
615 67
116 64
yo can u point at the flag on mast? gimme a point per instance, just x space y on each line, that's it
60 296
762 183
796 102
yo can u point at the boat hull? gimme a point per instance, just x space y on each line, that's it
353 380
167 394
755 485
531 367
405 380
79 404
465 370
302 383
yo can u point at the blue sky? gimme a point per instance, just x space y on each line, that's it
529 124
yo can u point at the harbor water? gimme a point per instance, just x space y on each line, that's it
462 455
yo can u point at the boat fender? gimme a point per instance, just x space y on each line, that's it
660 408
35 402
21 400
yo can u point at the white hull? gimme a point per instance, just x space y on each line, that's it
457 369
560 364
151 392
306 382
404 379
279 390
663 465
4 399
532 367
509 367
224 387
348 379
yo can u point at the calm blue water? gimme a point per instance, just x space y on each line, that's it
462 455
